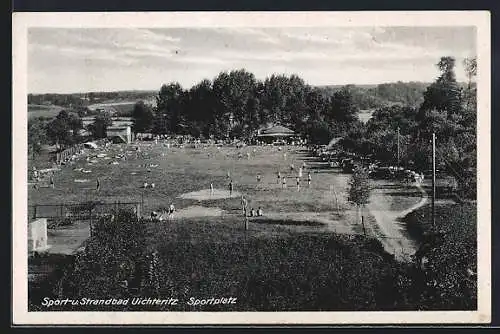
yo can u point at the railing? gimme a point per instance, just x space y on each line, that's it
80 211
67 153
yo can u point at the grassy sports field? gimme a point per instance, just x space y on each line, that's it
177 172
182 176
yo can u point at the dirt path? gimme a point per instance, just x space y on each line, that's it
390 233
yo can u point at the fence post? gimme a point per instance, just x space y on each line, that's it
363 224
90 222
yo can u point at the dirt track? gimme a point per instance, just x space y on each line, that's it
391 234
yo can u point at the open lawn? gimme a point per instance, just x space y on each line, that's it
37 110
178 171
182 176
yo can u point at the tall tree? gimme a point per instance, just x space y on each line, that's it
37 131
359 190
63 130
143 117
169 105
443 95
99 126
200 108
342 109
470 65
232 91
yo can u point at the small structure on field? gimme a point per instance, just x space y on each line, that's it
119 134
91 145
275 133
37 238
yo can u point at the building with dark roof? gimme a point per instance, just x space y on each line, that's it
275 133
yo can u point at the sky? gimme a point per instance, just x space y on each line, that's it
63 60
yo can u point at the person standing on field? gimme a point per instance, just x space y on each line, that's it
211 188
171 211
230 188
258 177
284 183
298 183
309 179
279 178
51 181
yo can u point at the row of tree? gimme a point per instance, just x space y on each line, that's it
235 104
63 131
448 109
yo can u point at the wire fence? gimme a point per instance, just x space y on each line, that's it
81 211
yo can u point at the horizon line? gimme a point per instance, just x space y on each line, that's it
187 88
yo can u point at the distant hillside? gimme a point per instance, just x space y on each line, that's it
375 96
83 100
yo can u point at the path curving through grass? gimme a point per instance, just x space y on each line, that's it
390 230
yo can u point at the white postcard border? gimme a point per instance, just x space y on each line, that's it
21 23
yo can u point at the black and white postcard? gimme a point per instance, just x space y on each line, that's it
251 168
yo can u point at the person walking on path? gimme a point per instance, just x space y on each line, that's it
51 182
211 189
230 188
298 183
279 178
309 179
284 183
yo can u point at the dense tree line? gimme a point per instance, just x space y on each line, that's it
63 131
235 104
386 94
75 100
448 110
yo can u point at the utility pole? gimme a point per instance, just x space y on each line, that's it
398 148
433 179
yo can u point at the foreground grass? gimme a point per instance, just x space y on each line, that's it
278 270
269 267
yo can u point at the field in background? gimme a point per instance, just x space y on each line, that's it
37 110
122 108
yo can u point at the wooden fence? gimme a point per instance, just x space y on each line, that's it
70 151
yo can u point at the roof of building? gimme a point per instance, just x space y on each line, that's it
118 127
276 130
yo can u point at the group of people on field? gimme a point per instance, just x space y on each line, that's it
282 178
